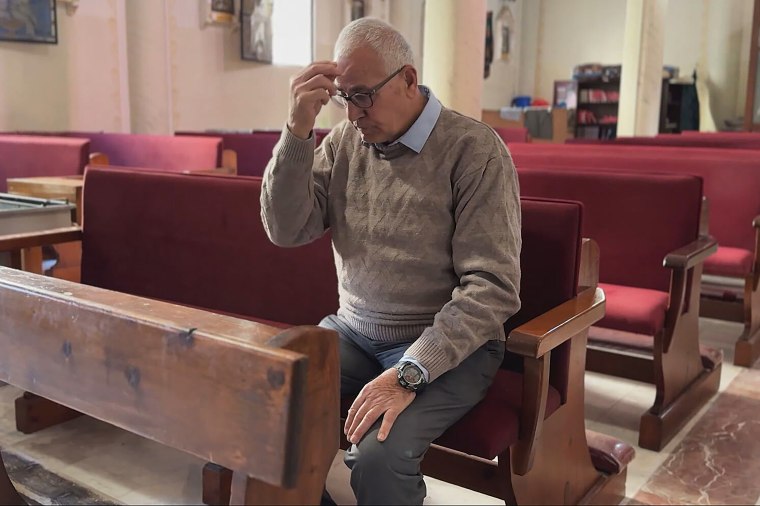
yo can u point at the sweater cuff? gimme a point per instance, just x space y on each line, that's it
429 354
293 148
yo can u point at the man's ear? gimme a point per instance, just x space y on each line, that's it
410 77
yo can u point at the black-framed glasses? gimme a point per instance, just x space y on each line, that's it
362 99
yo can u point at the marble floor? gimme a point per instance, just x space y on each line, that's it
715 459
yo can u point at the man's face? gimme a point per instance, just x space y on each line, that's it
362 70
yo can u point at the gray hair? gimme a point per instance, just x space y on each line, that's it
379 36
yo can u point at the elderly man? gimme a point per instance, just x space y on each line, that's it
423 207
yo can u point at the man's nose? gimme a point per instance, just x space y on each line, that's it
354 113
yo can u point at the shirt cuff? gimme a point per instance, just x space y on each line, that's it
425 373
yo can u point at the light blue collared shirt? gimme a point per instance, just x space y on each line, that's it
418 134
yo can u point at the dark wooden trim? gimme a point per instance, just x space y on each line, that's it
692 254
42 238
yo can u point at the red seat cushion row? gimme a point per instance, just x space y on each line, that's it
632 309
732 262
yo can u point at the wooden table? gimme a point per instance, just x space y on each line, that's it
58 187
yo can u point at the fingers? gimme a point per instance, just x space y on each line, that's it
385 428
317 82
366 422
352 411
324 68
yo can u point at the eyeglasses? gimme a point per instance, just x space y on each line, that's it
362 99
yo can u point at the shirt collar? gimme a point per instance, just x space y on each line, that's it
418 134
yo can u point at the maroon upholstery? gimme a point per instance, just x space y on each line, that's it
551 232
494 424
731 178
198 240
731 262
636 310
637 219
253 150
27 156
512 135
164 152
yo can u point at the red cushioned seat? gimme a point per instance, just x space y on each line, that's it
494 424
634 309
732 262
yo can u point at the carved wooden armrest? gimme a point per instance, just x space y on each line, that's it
534 340
218 170
692 254
756 222
13 242
544 333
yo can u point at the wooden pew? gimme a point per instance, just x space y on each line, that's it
208 249
731 281
653 244
253 150
26 156
260 401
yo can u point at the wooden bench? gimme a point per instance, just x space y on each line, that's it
525 442
718 140
265 404
209 249
253 150
28 156
653 244
731 178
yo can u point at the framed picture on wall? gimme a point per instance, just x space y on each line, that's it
218 12
256 30
28 21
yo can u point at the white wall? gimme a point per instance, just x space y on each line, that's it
80 83
149 66
714 35
504 81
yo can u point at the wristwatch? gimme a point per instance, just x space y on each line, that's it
410 376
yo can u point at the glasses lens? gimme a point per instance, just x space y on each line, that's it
363 100
339 101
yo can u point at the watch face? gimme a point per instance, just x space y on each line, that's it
412 375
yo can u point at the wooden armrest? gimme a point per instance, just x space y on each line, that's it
691 254
546 332
42 238
217 170
99 159
756 222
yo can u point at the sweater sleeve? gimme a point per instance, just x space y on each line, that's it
294 190
486 252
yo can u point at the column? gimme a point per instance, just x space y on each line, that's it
454 52
641 79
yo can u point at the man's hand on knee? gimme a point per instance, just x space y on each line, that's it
383 396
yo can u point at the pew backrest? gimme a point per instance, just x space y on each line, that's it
731 178
30 156
198 240
635 218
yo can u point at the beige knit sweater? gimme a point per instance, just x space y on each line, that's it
427 246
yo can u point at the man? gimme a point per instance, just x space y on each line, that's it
423 208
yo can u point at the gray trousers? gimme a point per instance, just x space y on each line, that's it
389 472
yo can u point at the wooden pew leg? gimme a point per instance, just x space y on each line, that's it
747 348
8 493
35 413
656 430
217 483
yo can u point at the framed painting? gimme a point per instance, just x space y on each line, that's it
256 30
28 21
218 12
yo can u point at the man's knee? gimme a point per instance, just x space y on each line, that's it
394 455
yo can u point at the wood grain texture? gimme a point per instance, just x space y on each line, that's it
206 384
